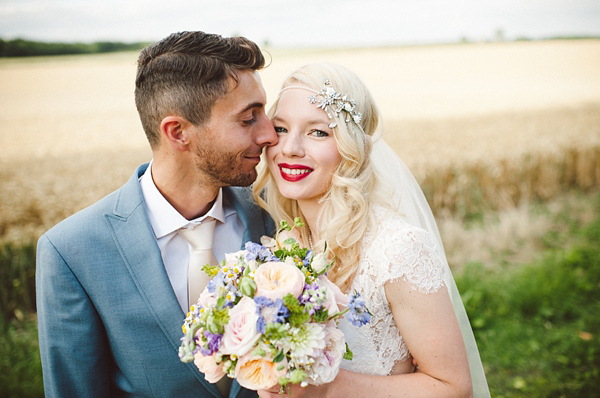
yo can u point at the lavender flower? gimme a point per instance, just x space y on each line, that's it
358 314
213 341
269 311
216 282
256 251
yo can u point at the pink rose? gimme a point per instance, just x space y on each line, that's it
336 300
327 365
240 332
207 365
258 373
274 280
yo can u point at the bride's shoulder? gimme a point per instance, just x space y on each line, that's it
390 228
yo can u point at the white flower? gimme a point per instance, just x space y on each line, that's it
236 259
304 342
318 263
327 365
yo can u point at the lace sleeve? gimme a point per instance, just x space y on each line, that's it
409 253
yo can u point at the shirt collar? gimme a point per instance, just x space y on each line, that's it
163 216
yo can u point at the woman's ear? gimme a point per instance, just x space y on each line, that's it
173 129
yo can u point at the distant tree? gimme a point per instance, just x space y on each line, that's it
27 48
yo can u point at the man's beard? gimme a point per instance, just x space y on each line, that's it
223 168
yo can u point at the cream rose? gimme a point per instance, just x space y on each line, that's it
258 373
318 263
336 300
240 332
274 280
206 364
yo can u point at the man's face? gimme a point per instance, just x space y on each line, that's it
228 147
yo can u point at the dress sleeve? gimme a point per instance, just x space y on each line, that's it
410 254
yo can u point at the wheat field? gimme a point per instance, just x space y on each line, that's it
483 126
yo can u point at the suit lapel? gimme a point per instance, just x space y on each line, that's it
135 240
255 220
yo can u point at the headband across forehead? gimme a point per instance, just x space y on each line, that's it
332 102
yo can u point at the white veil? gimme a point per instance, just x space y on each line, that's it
404 194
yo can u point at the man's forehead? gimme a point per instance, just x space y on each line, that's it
246 92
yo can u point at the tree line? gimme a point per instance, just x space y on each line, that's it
28 48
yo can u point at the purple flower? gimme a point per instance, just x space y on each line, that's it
213 342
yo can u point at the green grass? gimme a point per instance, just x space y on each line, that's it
20 364
537 325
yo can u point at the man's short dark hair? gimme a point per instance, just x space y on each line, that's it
186 73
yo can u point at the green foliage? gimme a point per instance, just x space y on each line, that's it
297 315
27 48
20 364
537 327
17 281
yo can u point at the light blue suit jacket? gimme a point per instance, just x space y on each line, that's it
109 321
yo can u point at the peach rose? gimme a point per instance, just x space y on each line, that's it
207 365
258 373
240 332
274 280
336 300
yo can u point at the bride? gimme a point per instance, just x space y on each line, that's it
331 168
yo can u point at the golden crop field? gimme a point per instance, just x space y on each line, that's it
483 126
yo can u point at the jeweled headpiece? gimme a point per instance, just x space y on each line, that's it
332 103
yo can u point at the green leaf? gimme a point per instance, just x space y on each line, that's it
289 241
348 354
279 357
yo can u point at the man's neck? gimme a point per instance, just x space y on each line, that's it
190 196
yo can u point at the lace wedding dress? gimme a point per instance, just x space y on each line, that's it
391 251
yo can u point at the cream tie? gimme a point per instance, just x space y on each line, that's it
200 239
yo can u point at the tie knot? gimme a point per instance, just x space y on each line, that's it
201 236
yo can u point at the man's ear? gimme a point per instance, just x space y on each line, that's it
175 130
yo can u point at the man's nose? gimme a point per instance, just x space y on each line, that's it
267 135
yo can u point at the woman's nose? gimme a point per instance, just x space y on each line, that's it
293 145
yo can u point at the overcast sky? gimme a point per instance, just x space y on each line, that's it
299 22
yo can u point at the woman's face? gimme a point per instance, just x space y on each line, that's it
306 154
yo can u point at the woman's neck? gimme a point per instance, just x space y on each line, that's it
310 210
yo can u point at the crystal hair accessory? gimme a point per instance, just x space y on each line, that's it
332 103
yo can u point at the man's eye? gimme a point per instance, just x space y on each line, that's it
280 130
249 122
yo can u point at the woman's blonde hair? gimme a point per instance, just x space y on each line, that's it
345 213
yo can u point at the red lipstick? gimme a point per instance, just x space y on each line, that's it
294 172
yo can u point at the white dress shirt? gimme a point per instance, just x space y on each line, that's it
166 221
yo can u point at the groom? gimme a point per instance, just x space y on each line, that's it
112 279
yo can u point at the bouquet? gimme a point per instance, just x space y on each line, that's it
269 316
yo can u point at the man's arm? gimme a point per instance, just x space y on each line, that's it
73 347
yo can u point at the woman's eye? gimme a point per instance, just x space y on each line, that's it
319 133
280 130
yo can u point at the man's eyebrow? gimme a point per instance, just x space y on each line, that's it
253 105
